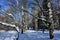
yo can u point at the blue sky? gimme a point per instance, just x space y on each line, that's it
5 7
2 3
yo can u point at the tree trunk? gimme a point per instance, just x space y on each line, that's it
51 20
25 15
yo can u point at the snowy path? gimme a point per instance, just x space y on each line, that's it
38 35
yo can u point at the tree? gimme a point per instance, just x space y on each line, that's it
59 12
9 15
24 14
51 29
43 10
34 20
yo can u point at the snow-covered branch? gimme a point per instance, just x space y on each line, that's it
10 25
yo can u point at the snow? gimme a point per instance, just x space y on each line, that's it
17 29
8 39
12 31
29 35
7 24
8 35
10 14
11 25
38 35
57 31
2 30
29 31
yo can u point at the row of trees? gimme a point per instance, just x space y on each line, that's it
38 8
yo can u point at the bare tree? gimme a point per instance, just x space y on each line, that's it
51 19
24 14
35 23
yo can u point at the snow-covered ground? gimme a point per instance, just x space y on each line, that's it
28 35
8 35
38 35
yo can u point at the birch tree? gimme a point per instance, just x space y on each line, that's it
51 30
